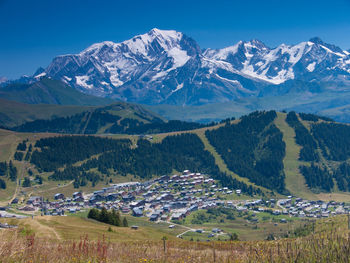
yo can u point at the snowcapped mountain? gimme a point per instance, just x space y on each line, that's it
3 79
165 66
254 59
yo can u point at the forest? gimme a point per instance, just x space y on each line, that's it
333 139
342 177
103 121
116 157
317 177
253 148
55 152
313 117
82 123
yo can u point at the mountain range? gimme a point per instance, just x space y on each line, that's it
166 67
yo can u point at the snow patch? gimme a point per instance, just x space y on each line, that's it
180 57
116 81
159 75
311 67
222 54
335 53
229 80
40 75
180 86
82 82
67 78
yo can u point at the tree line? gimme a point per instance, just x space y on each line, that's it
333 139
317 177
91 122
342 177
108 217
313 117
56 152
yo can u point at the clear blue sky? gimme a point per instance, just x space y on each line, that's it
33 32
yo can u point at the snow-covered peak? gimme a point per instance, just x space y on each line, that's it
330 48
254 59
165 34
247 47
255 44
97 46
139 44
222 54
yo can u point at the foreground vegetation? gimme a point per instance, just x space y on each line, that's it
329 243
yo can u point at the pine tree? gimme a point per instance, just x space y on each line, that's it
2 184
118 219
27 157
104 215
12 172
26 182
94 214
125 222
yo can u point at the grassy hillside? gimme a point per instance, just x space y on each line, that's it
49 91
15 113
73 227
115 118
63 239
295 182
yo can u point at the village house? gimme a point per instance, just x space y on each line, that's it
136 211
59 196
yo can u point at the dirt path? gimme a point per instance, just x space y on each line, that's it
35 223
56 187
17 181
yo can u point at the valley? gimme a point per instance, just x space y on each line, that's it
174 131
143 178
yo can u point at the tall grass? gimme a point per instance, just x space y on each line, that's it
330 244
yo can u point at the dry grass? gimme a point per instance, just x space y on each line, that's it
330 243
332 246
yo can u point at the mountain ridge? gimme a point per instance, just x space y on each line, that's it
168 67
49 91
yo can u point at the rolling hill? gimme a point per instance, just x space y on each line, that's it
14 113
49 91
54 117
311 160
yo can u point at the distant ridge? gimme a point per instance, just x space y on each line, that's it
49 91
